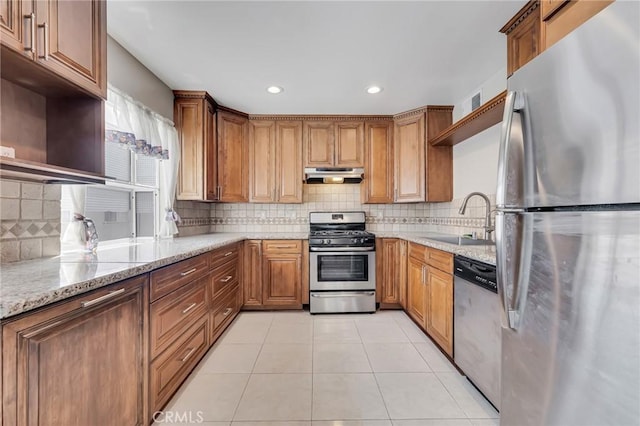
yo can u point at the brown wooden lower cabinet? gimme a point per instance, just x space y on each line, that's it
429 295
439 318
274 274
80 362
392 272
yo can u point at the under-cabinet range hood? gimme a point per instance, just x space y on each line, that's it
333 174
31 171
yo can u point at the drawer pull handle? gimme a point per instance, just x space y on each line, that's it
101 298
284 247
227 312
190 307
188 355
190 271
226 279
228 254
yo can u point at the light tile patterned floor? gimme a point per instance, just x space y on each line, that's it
297 369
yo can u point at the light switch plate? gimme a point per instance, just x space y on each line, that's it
6 151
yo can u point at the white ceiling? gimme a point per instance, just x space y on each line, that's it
323 53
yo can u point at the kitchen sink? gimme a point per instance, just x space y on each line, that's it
457 240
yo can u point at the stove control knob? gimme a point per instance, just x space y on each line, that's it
362 240
354 240
326 241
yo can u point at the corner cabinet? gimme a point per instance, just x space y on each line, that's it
214 162
274 274
275 161
233 157
195 120
69 351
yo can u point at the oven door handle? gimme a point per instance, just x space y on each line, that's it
350 294
342 249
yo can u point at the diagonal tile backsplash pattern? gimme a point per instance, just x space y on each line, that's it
29 220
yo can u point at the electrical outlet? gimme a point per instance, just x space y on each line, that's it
8 152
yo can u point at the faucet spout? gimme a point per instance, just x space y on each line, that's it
488 228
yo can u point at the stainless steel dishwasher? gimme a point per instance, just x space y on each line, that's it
477 325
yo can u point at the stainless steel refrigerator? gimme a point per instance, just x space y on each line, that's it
568 229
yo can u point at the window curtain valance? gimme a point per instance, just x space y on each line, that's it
145 132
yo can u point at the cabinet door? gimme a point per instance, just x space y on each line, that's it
391 271
524 42
416 290
377 186
567 18
318 143
349 144
72 40
188 115
439 318
409 159
18 26
81 362
402 264
262 162
252 273
282 283
233 158
211 154
289 162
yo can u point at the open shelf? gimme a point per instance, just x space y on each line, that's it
485 116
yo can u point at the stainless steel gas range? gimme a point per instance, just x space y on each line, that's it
342 265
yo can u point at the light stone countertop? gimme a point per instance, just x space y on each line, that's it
31 284
34 283
485 254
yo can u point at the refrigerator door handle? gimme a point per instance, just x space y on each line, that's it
514 232
513 104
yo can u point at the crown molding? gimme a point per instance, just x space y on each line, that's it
520 16
302 117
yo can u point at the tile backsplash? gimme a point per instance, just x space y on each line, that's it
29 220
432 217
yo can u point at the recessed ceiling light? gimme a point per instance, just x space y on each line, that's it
372 90
274 90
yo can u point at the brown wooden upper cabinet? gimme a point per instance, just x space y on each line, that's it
409 159
275 161
67 37
195 121
541 23
333 144
377 186
524 36
233 157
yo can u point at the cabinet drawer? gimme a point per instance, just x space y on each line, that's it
223 255
437 258
173 366
172 277
224 278
440 259
282 246
224 309
172 314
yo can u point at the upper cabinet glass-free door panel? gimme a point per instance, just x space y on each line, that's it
409 158
71 41
233 157
289 161
318 143
349 144
17 26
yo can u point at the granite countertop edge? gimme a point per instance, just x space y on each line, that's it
18 298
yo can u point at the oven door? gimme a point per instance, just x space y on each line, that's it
342 270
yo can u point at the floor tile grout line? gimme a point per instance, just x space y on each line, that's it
235 411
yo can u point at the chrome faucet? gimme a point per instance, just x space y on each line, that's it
488 229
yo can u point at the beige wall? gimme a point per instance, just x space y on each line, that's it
129 75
